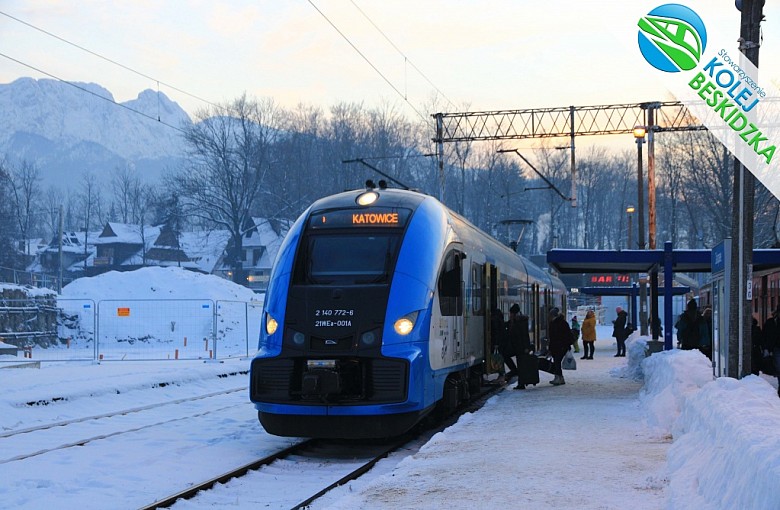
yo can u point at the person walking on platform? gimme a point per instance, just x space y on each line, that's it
517 331
560 342
589 334
620 332
575 331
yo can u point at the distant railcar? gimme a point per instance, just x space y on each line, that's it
377 313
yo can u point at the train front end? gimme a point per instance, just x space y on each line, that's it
343 348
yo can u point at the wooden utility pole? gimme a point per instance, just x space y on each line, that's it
740 315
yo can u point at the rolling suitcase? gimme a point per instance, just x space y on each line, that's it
528 370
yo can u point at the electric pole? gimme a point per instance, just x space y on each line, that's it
740 314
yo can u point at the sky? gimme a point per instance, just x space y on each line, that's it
478 55
644 433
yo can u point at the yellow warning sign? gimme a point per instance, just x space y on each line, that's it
123 312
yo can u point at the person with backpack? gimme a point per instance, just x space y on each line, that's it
620 332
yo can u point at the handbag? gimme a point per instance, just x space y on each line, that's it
546 365
569 363
768 365
495 362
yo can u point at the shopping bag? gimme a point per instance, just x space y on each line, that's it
569 363
495 362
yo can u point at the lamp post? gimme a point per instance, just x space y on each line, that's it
639 136
630 212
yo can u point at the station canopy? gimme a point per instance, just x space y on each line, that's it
568 261
565 261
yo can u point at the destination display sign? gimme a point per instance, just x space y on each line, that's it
608 279
362 217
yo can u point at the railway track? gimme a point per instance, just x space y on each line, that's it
26 443
313 467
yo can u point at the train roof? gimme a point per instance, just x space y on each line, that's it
411 199
390 198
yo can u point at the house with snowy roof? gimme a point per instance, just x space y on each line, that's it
122 247
260 244
76 249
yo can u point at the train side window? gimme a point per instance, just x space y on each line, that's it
449 285
476 289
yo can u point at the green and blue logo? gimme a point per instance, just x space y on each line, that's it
672 38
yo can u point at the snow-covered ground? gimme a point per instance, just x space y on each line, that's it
154 313
644 433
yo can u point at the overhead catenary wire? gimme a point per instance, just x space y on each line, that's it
123 66
151 117
406 59
368 61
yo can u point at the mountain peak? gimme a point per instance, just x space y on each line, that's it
47 121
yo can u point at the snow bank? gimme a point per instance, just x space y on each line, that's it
726 450
13 291
670 377
156 283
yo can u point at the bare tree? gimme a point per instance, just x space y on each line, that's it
25 189
88 198
228 153
125 184
52 201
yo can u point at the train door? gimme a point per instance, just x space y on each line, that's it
536 317
450 294
490 291
475 313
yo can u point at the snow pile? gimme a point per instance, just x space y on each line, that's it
670 377
726 449
13 291
156 283
636 349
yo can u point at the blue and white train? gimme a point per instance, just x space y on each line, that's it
378 313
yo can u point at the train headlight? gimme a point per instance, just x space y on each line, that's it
270 324
367 198
299 338
405 324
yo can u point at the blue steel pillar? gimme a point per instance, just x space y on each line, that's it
668 296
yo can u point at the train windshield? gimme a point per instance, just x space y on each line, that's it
350 259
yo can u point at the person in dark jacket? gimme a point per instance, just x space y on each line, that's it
560 342
497 336
517 331
575 331
772 342
757 347
691 328
620 332
507 345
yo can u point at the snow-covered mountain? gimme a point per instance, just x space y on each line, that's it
65 130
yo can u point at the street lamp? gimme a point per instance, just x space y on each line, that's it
630 211
639 136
